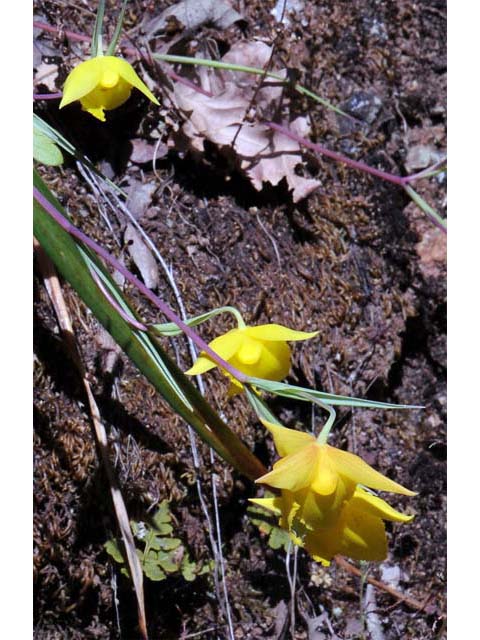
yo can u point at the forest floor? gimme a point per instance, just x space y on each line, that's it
355 259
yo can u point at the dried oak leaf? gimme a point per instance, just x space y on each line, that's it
46 74
264 155
142 257
192 14
143 152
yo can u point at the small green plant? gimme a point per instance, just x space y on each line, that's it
277 538
161 554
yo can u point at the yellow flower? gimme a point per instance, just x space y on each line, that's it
321 504
102 83
260 352
358 532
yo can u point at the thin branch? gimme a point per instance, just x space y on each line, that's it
54 291
408 600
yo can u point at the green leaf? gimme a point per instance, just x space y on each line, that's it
75 264
168 544
151 556
118 29
113 549
279 538
96 48
46 151
153 571
162 515
170 329
166 562
267 524
306 394
188 570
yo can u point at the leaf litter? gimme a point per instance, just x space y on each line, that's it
233 118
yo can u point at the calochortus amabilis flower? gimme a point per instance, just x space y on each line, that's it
323 503
259 352
101 84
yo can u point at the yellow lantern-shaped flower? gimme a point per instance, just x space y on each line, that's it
102 84
322 505
260 352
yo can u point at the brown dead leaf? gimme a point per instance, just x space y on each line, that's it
140 197
142 257
264 155
192 14
144 152
46 74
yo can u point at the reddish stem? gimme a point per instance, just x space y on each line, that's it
164 308
356 164
47 96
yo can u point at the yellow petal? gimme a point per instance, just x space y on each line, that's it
225 346
294 472
322 546
364 501
96 112
357 470
271 504
326 478
250 351
201 365
366 540
320 511
81 81
107 97
273 364
235 387
127 72
288 441
363 536
276 332
357 535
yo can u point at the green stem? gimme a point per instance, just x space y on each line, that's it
438 221
97 44
327 427
238 316
118 29
217 64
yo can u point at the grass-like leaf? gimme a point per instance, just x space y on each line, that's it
306 394
143 349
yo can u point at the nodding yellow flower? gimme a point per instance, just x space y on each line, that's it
259 352
101 84
358 532
322 505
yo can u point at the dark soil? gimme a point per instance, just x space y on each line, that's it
355 260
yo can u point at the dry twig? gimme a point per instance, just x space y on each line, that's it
54 291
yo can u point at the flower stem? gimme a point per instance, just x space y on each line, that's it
437 220
47 96
164 308
238 317
400 181
327 427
